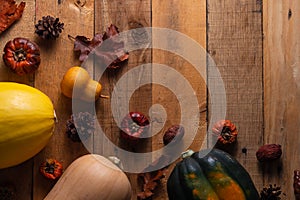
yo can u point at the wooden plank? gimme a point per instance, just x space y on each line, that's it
235 43
19 177
189 18
57 57
281 86
126 15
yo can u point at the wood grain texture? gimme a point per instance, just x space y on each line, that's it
126 15
281 86
257 53
57 57
234 41
23 172
189 18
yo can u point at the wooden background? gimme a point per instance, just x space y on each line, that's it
254 43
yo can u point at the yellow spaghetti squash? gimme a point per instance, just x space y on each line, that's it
27 121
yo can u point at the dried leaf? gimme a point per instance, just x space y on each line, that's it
145 194
111 31
9 13
151 179
110 54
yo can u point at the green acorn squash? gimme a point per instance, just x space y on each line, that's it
213 175
26 122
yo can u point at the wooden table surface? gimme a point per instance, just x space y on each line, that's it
255 45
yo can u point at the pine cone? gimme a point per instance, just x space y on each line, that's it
80 126
271 193
296 184
49 27
7 192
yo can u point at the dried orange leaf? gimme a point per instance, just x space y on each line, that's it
9 13
151 179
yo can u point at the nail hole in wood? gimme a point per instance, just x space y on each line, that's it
290 14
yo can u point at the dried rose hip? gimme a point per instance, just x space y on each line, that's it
21 56
226 132
51 169
268 152
173 134
134 126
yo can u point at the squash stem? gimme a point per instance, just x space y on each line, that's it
115 160
55 116
187 153
104 96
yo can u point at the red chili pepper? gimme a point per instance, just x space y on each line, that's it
134 126
226 132
51 169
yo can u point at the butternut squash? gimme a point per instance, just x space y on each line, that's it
78 84
91 177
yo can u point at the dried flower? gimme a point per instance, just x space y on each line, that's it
22 56
226 132
51 169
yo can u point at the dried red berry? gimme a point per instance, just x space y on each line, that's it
268 152
21 56
51 169
173 134
134 126
226 132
